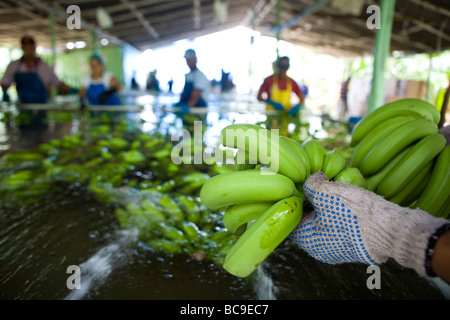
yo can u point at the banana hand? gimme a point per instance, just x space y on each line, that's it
420 107
263 236
246 186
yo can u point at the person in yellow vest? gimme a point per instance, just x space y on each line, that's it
276 90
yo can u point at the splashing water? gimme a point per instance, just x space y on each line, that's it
95 271
263 285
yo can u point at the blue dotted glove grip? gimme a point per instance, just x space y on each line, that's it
333 235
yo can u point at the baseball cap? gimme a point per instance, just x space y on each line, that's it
190 53
283 63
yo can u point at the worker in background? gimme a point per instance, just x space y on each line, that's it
277 89
152 82
196 87
101 87
343 100
33 79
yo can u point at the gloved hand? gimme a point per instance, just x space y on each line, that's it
351 224
82 104
294 110
184 108
276 105
105 95
73 91
6 97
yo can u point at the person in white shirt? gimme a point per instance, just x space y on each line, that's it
196 87
101 87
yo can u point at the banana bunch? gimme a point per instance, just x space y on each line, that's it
263 199
402 156
175 225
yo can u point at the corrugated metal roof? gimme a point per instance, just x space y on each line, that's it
338 27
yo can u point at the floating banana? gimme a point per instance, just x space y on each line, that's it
263 236
254 185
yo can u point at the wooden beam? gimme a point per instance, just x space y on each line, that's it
139 16
431 7
169 38
61 13
197 14
423 25
252 13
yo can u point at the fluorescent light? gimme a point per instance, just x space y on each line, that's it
80 44
104 42
70 45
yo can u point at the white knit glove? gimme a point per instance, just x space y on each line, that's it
351 224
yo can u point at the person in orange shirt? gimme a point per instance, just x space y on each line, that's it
277 89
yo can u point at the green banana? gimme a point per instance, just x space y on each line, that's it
150 210
394 142
373 181
266 146
413 188
295 152
438 188
173 212
393 109
247 186
444 211
237 216
300 153
263 236
316 152
410 165
190 229
170 232
411 198
242 161
352 176
375 136
333 163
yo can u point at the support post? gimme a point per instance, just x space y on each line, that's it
278 23
430 71
381 52
94 38
53 89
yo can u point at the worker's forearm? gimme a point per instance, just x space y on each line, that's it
440 261
195 97
192 102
